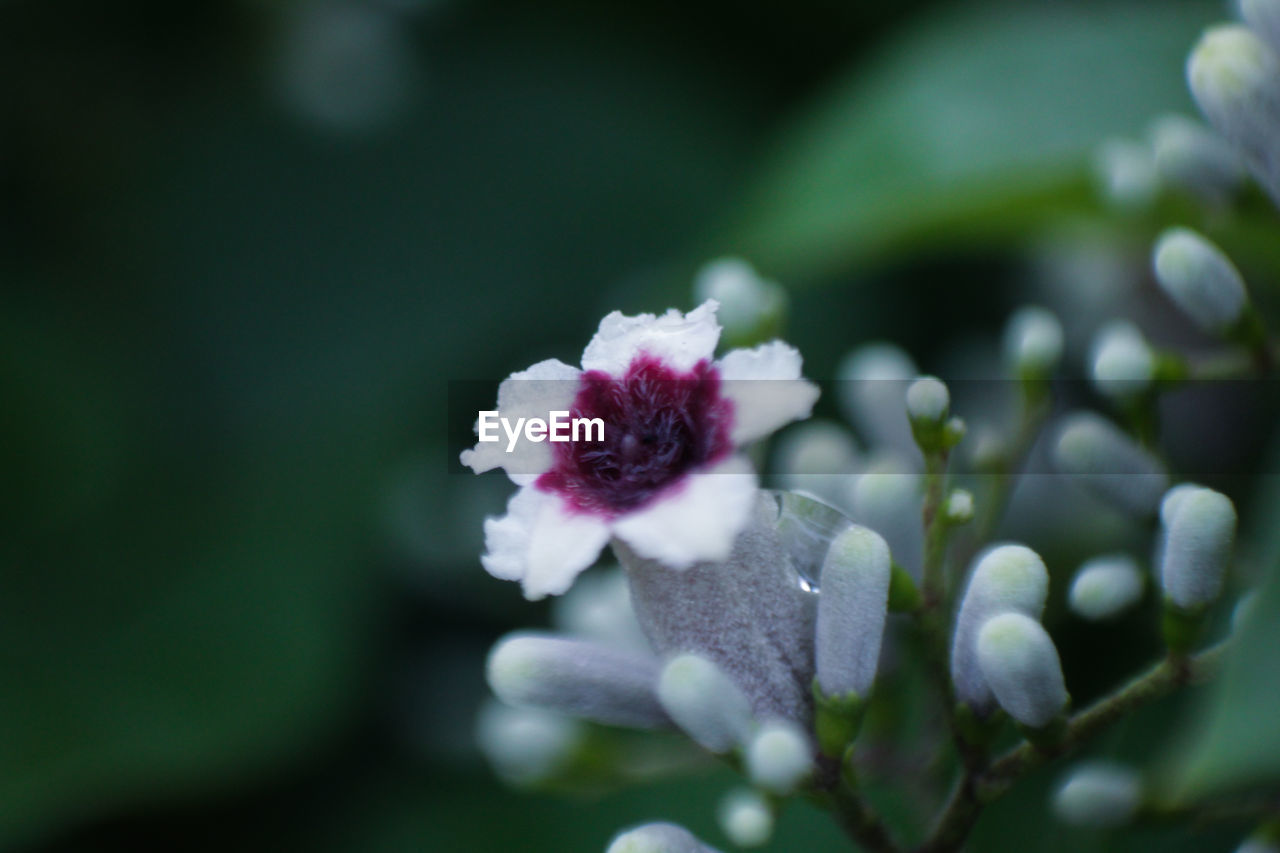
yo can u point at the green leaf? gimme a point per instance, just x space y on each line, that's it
972 126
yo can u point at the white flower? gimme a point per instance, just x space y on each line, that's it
665 479
1098 794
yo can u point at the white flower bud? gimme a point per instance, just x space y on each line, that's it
750 306
959 506
1005 578
1033 342
779 757
871 382
576 677
1234 77
1192 156
598 607
1098 795
1109 463
1021 665
852 604
928 400
1105 587
745 818
658 838
705 703
1199 527
1200 279
818 457
1126 173
526 745
1123 365
1263 17
889 499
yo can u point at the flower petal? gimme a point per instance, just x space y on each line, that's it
697 520
548 386
679 340
540 543
766 389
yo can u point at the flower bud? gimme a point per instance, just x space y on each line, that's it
1193 157
1104 460
1005 578
958 508
871 383
745 818
928 400
889 499
1234 77
1098 795
658 838
1198 529
852 605
1200 279
1033 343
1105 587
779 757
1123 365
705 703
1263 17
526 745
576 677
598 607
1126 173
1021 665
818 457
752 309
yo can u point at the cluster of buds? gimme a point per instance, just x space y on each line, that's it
756 622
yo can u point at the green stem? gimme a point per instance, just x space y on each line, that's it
859 821
974 791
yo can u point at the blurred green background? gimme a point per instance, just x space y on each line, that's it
246 246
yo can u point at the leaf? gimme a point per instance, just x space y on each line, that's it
975 125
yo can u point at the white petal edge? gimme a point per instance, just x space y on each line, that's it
541 544
546 387
766 389
698 521
679 340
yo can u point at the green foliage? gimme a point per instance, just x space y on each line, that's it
974 125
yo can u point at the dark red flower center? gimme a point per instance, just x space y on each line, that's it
658 424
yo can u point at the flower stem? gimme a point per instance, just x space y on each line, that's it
974 791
